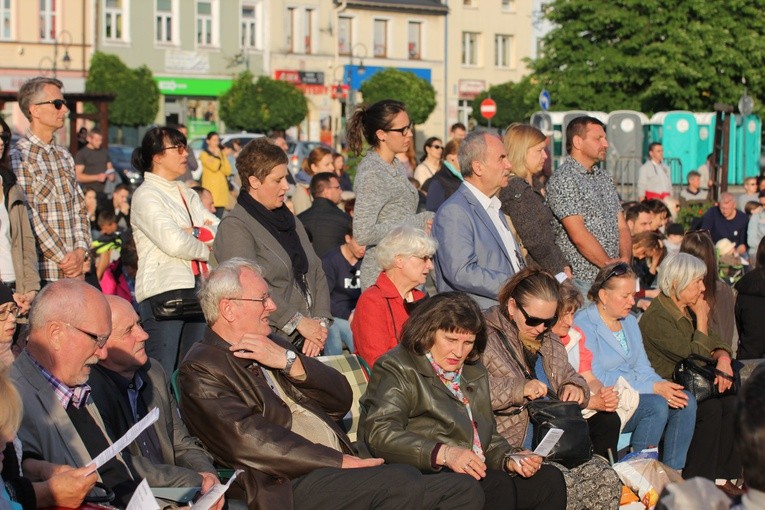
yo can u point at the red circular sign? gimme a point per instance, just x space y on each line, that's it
488 108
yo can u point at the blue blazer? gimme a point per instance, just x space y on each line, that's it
471 256
609 361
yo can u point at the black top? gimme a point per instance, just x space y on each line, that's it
343 281
326 225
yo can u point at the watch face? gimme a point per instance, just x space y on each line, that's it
291 356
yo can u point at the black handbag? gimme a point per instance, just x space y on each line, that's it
574 447
697 373
177 305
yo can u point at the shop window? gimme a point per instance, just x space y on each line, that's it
414 44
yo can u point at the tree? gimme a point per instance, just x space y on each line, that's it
262 106
416 93
137 94
515 102
652 55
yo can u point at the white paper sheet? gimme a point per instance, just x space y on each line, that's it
116 447
213 495
546 445
142 498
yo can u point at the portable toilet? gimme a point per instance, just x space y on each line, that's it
625 148
678 133
706 141
550 123
568 117
748 147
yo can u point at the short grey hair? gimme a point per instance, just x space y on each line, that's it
62 300
677 271
30 91
224 282
727 196
405 241
472 148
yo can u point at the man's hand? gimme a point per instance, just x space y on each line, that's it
209 480
351 462
71 264
24 301
68 487
262 349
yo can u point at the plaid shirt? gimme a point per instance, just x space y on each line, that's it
55 202
77 395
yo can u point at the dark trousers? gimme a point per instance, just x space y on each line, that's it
393 487
604 432
169 341
546 490
712 453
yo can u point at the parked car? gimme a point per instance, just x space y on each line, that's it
298 150
121 161
198 144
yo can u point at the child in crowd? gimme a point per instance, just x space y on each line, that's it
730 263
674 237
693 192
660 214
206 197
749 194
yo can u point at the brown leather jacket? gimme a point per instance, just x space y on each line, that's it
227 403
506 379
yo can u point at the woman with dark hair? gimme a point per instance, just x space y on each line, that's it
431 160
719 295
525 360
173 234
750 309
18 251
647 253
384 196
215 172
447 179
318 160
665 410
675 326
428 405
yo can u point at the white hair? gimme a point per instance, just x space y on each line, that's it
677 271
223 282
405 241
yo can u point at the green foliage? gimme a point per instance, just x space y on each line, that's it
137 94
515 102
691 211
652 55
262 106
416 93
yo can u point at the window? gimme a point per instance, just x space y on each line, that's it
464 111
164 21
344 35
250 33
205 23
508 5
47 20
308 30
114 20
470 3
470 48
414 44
502 48
5 20
380 38
289 29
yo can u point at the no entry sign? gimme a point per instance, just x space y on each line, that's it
488 108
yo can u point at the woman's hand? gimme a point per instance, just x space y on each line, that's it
534 389
315 335
723 365
606 399
571 393
462 460
527 466
673 392
701 310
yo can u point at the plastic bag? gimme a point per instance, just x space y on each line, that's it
646 477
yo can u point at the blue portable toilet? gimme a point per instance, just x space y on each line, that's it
706 123
748 147
678 133
625 149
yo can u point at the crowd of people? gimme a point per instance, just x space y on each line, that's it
480 294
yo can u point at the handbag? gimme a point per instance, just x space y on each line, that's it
178 304
574 447
697 373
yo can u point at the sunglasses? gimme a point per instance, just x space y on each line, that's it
180 148
619 269
404 130
439 147
5 136
533 322
57 103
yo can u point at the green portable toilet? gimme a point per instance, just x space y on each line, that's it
706 123
748 147
678 133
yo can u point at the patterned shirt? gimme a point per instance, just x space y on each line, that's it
77 395
55 202
574 191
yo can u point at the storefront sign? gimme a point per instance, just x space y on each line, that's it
210 87
300 77
469 89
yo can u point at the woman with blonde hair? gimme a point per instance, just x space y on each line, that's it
318 160
533 221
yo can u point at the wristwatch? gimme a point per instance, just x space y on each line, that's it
291 357
195 232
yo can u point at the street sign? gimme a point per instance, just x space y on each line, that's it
488 108
544 100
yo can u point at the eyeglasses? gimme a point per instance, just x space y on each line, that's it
57 103
5 136
404 130
424 258
12 310
100 340
439 147
619 269
181 148
533 322
266 297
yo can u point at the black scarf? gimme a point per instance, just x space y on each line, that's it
280 223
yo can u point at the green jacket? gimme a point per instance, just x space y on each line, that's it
669 336
407 411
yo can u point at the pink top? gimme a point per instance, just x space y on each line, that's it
585 355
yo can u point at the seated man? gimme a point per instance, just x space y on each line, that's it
125 386
324 221
68 327
693 192
727 222
260 406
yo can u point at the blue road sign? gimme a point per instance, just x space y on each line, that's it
544 100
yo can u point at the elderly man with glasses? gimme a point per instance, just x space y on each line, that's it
46 174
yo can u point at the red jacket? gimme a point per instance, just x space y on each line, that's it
378 319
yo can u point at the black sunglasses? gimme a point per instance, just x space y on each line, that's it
619 269
533 322
5 136
434 146
57 103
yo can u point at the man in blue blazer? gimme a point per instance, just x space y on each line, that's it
477 252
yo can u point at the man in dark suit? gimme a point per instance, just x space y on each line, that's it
477 252
325 223
125 386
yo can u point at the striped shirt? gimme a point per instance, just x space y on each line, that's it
55 202
77 396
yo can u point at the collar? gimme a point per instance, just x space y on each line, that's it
36 140
484 200
77 395
387 287
576 165
453 170
124 384
161 181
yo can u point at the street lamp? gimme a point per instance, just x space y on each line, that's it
64 39
361 70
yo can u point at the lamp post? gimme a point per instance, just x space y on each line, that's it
351 92
66 59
